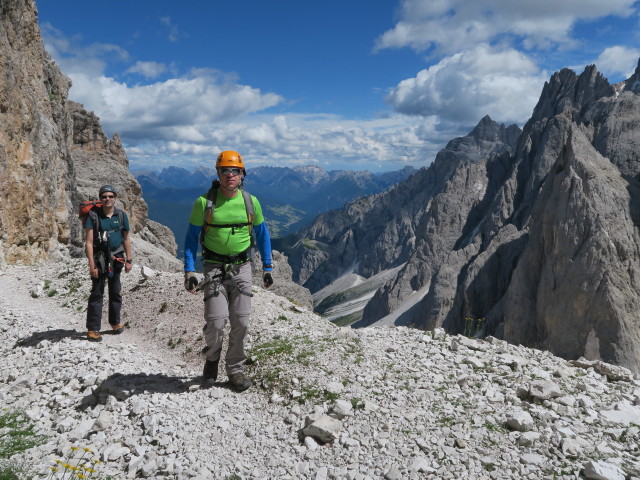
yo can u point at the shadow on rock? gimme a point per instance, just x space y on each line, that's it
51 336
122 386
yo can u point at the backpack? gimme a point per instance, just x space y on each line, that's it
86 207
211 206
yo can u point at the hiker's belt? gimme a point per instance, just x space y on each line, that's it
211 256
104 249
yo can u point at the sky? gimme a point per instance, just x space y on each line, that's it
342 84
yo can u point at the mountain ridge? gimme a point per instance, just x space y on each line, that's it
290 196
465 225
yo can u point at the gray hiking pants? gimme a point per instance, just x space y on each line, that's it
228 304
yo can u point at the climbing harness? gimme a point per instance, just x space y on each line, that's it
225 274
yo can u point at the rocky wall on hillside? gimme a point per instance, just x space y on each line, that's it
54 154
36 172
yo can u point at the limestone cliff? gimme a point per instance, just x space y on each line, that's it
36 172
53 154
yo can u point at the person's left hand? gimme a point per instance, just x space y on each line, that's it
127 267
268 279
190 282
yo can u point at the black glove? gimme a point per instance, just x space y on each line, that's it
190 281
268 279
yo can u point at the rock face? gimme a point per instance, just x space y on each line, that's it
283 284
530 236
53 154
36 173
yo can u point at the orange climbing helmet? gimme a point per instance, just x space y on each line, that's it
231 159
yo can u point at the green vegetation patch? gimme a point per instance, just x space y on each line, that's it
349 319
472 326
274 364
17 434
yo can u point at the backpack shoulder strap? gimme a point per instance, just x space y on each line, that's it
248 205
95 220
209 209
121 225
121 218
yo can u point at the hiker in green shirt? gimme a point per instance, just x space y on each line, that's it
223 221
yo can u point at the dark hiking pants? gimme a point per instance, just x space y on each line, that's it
94 308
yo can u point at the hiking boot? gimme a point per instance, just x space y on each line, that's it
210 371
94 336
118 329
240 381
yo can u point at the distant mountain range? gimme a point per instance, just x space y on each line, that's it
290 197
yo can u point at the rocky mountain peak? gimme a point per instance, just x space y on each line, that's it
488 130
569 93
533 236
311 173
88 135
632 84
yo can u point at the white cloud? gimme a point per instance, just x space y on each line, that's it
464 87
452 25
72 57
175 108
147 69
618 60
173 34
326 140
186 119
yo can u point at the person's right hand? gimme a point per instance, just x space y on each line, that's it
190 281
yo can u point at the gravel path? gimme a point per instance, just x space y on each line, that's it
329 402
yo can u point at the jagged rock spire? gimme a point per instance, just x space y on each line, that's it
633 83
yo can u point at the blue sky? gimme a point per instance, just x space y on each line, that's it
342 84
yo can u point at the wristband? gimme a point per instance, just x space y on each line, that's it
128 260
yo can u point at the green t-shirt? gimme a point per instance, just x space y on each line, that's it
228 211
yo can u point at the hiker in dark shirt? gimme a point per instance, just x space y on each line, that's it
108 250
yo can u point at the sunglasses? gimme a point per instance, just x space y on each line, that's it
104 197
230 171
